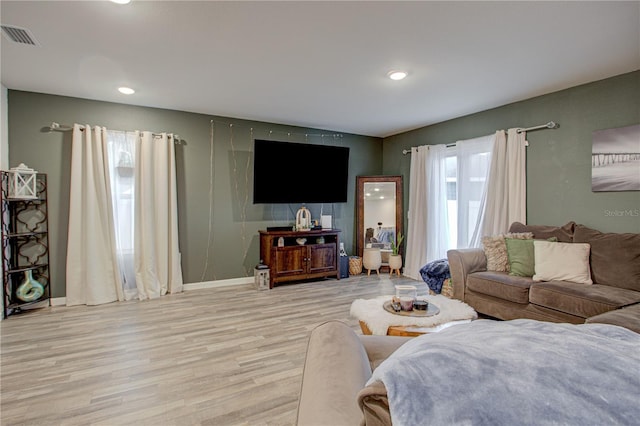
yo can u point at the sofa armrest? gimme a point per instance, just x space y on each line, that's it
463 262
336 368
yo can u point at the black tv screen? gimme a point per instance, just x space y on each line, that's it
287 172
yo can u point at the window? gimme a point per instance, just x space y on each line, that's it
466 170
122 159
451 172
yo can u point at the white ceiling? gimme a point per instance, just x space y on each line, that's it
319 64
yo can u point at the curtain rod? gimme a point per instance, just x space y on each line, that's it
56 127
549 125
408 151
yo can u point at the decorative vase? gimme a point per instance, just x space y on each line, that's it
29 289
395 263
372 260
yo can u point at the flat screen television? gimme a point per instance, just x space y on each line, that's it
288 172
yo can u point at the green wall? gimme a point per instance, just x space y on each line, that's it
234 247
558 166
558 161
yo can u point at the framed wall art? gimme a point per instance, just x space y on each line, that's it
615 159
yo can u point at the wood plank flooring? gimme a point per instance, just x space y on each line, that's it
222 356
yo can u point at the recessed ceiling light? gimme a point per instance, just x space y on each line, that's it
397 75
121 1
126 90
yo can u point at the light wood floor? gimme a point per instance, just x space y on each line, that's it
223 356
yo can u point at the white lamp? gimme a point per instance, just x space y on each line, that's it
22 183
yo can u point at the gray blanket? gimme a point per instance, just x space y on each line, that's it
519 372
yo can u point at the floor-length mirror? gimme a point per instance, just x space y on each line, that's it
379 216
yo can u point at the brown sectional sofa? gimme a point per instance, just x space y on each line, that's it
338 365
455 377
613 298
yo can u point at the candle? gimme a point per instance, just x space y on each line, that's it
406 303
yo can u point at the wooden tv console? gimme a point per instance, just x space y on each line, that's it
293 261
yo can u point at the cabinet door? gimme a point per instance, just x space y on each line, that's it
323 258
290 260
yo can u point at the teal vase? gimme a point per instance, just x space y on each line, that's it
29 289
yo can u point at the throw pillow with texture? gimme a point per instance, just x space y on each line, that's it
562 262
521 256
495 249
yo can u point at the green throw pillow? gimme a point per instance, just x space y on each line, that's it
521 256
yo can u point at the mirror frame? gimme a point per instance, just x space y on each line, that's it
360 231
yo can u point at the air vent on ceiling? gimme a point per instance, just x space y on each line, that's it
19 35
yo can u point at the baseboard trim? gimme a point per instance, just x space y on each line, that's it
58 301
218 283
62 301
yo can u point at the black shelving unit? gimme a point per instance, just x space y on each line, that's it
25 246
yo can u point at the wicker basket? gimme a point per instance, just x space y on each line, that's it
355 265
447 288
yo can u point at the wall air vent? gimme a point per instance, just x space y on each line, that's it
19 35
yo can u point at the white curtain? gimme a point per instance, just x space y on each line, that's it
505 200
489 194
157 256
473 161
92 270
123 186
428 228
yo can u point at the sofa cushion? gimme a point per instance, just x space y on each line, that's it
581 300
628 317
561 262
564 233
495 249
521 260
521 256
379 348
501 285
615 258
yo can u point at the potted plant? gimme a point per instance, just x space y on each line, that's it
395 259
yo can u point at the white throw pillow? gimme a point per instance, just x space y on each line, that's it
562 262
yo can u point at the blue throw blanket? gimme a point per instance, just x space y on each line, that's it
519 372
434 273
